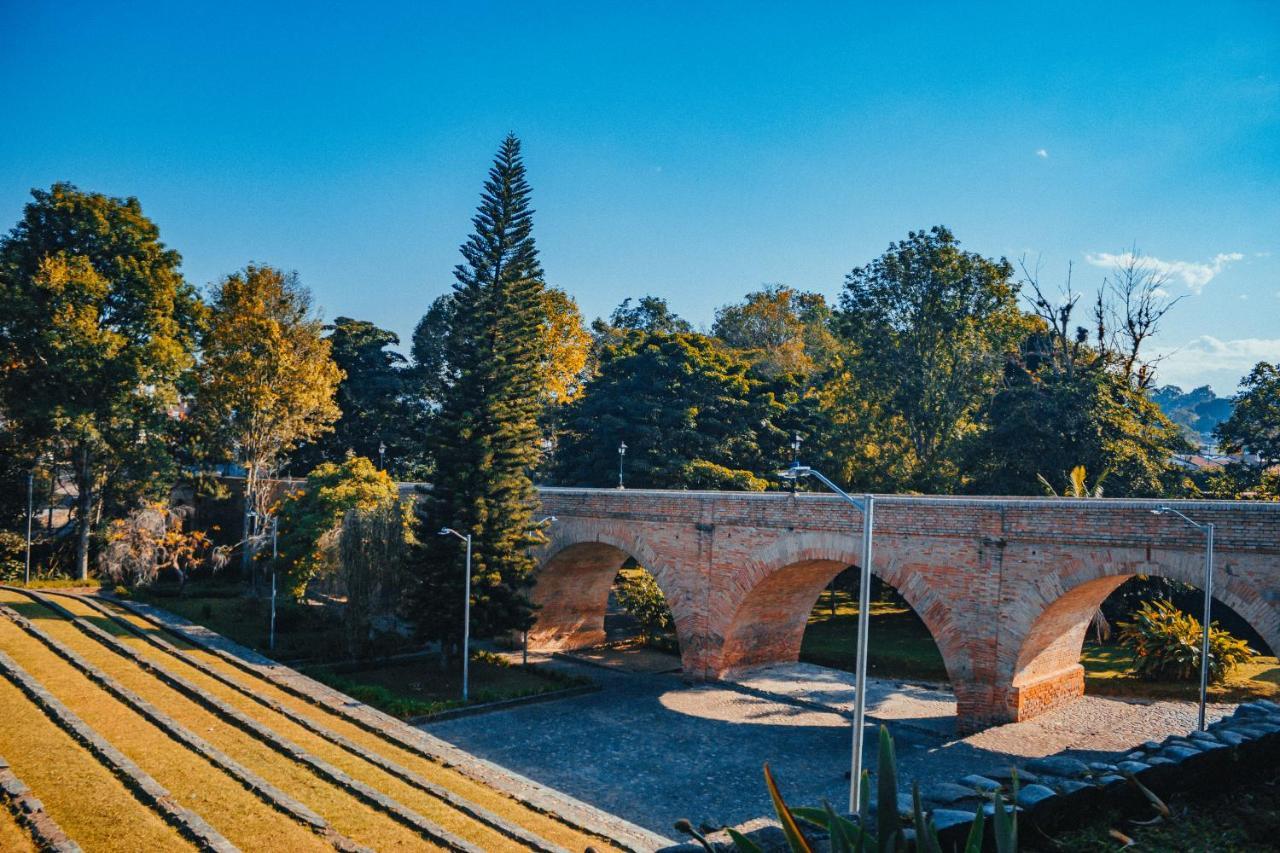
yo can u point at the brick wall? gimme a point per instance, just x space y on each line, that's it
1006 586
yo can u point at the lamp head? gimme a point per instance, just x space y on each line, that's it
1160 510
795 472
444 531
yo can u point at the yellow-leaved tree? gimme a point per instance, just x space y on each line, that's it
266 380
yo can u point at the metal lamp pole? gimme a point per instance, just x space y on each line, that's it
865 504
1207 584
622 452
275 551
31 484
382 452
466 613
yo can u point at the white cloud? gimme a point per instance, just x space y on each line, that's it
1042 153
1207 360
1194 275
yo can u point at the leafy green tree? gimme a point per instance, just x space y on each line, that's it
372 546
96 327
783 330
266 380
640 595
486 435
648 314
931 327
371 397
1042 424
687 407
1254 424
309 519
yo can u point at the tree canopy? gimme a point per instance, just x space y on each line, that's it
486 437
97 325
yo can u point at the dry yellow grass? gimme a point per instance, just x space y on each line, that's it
241 817
14 837
541 824
84 797
413 798
347 814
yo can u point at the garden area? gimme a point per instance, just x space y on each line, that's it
902 647
397 676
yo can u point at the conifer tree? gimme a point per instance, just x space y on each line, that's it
486 433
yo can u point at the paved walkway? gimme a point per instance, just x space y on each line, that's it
652 749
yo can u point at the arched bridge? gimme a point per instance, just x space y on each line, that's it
1007 586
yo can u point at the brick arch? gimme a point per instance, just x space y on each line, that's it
779 587
576 572
1047 671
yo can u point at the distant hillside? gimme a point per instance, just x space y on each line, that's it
1197 411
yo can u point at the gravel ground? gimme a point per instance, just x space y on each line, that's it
653 749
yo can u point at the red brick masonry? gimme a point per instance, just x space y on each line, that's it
1006 585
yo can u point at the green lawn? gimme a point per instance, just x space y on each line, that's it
306 632
1107 674
901 647
303 632
418 687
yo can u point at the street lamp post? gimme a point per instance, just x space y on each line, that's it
275 551
31 485
1207 584
622 452
866 505
466 612
382 452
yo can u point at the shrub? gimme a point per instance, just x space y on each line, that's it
641 596
310 518
12 556
1165 643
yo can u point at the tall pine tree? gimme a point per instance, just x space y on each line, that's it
486 432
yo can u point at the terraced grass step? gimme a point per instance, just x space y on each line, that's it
78 791
201 778
251 689
348 814
24 825
374 731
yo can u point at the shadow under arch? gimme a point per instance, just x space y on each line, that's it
1047 669
572 585
782 587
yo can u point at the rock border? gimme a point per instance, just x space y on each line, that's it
472 810
29 811
426 827
1055 790
534 795
144 787
251 781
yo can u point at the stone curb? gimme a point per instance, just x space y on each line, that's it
502 704
255 784
277 742
1053 791
30 812
148 790
472 810
534 795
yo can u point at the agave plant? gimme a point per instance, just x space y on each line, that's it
856 836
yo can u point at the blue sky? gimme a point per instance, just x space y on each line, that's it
694 151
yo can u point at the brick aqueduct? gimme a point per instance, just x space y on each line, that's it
1006 586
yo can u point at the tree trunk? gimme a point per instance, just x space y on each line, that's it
246 556
84 512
